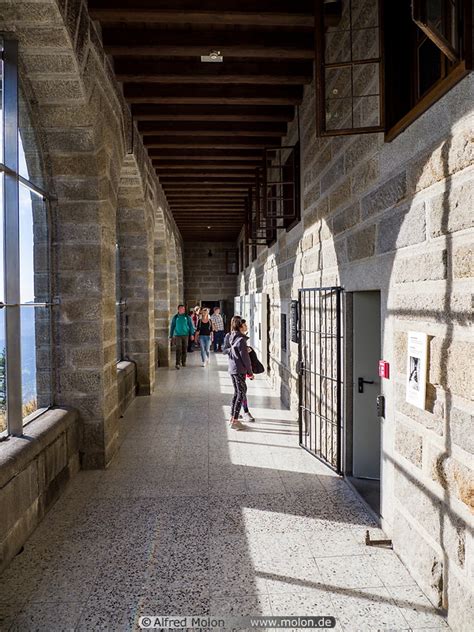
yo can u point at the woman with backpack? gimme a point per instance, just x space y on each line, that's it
247 416
239 368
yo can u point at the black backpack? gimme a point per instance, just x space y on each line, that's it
257 366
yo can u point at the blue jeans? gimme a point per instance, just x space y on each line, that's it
205 344
218 339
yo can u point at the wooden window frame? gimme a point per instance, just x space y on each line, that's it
461 64
320 82
227 257
453 76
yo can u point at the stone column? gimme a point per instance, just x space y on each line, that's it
135 240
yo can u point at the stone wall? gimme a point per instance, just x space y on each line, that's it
206 278
397 217
100 178
34 470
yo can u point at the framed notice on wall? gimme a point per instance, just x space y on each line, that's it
417 356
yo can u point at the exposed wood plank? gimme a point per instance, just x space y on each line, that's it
135 15
208 142
173 189
221 154
209 180
181 128
158 70
165 42
209 165
204 171
212 94
248 6
177 112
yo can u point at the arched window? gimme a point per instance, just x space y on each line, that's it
25 298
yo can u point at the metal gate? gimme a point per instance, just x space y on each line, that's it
320 369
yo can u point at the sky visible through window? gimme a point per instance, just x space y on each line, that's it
27 290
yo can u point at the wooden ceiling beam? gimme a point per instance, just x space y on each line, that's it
183 112
198 94
246 153
209 142
185 6
167 71
179 128
204 172
172 189
137 15
209 180
241 44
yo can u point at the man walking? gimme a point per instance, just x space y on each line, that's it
218 327
181 329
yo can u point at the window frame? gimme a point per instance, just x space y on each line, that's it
320 73
444 84
12 180
455 72
235 253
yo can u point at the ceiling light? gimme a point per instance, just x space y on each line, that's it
209 228
213 56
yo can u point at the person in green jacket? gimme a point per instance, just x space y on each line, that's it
181 328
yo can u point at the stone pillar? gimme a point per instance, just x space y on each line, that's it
135 240
162 305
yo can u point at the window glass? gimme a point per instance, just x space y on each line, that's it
34 289
3 393
1 104
29 160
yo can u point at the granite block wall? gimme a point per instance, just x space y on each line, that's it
398 217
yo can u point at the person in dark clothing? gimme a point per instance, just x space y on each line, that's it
204 335
247 416
180 330
191 338
239 367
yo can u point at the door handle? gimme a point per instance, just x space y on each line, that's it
361 382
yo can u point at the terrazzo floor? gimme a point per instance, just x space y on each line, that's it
194 518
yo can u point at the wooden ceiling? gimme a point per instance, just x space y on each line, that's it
205 124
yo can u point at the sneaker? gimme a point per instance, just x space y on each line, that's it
178 367
236 425
248 417
203 364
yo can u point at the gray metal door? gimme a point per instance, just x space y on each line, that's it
320 369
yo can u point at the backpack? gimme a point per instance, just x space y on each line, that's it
257 366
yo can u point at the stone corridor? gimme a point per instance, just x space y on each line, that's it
193 518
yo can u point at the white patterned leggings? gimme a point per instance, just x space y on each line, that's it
240 394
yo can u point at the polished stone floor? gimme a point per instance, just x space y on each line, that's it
194 518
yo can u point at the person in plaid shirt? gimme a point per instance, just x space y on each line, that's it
218 327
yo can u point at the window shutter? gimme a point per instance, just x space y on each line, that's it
349 77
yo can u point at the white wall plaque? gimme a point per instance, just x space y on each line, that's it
417 353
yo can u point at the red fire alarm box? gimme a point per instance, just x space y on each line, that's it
384 369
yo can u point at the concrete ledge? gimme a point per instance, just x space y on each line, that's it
34 470
126 384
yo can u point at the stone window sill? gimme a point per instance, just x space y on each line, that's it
17 452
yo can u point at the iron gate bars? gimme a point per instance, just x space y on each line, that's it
320 371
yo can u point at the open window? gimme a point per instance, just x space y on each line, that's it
281 204
257 229
427 49
232 261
